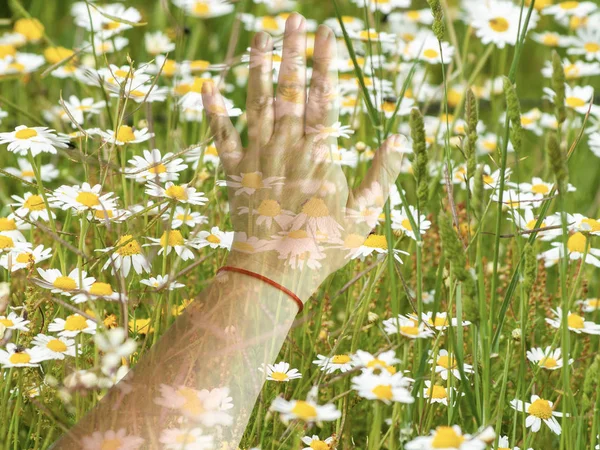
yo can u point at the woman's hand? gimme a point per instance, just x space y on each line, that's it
296 220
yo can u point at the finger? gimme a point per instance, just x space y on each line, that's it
259 100
368 199
322 107
226 138
291 86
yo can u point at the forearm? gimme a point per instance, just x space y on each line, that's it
236 325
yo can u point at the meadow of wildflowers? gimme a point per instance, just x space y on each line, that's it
463 312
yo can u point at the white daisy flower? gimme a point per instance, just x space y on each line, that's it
367 206
503 444
577 98
446 364
214 238
48 172
537 411
382 361
249 183
79 110
83 198
249 245
315 218
578 246
546 358
115 44
58 283
186 438
25 259
527 221
280 372
589 304
400 221
440 322
31 206
32 139
72 326
14 322
337 130
172 239
15 356
373 243
208 408
126 253
177 192
160 282
447 438
157 43
50 347
568 9
295 247
406 327
383 386
305 410
586 43
315 443
117 440
21 63
341 362
204 9
269 211
183 216
573 70
154 167
99 290
437 393
125 135
575 323
10 247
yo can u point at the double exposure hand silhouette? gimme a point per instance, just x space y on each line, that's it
295 218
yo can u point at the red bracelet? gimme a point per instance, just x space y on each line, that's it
266 280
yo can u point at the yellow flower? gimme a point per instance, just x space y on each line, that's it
32 29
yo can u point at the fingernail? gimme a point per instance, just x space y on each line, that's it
294 22
323 32
261 40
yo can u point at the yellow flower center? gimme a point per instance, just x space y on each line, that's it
593 223
446 362
304 410
27 174
279 376
297 234
548 362
185 439
172 239
315 207
26 133
65 283
75 322
56 54
252 180
125 134
413 15
193 404
353 241
103 214
7 322
137 93
440 321
593 303
101 289
437 391
575 321
213 239
7 50
25 258
577 243
34 203
368 34
540 189
410 330
7 224
446 437
88 199
531 224
127 246
176 192
319 445
17 67
574 102
56 345
269 208
111 444
19 358
383 392
568 5
159 168
591 47
499 24
32 29
540 409
6 242
376 241
340 359
406 224
487 179
430 53
551 40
